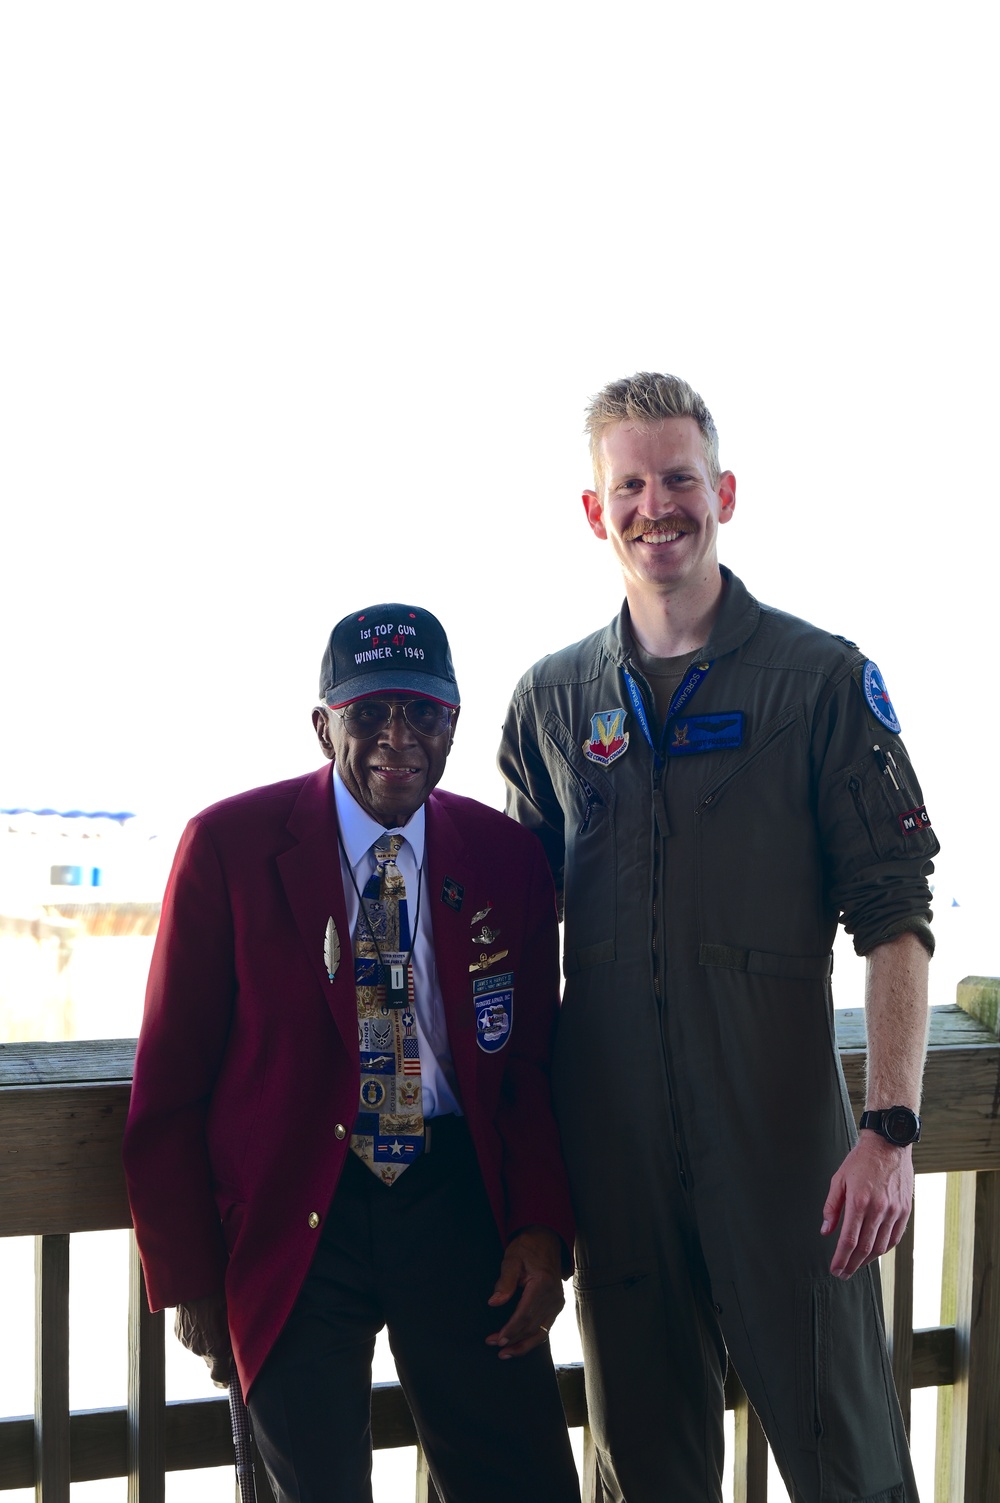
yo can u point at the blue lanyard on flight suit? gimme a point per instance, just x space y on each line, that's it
696 673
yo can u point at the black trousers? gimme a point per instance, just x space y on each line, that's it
420 1256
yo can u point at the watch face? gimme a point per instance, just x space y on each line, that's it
900 1126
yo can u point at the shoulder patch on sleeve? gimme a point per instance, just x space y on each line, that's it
877 697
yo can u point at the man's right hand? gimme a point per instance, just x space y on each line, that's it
202 1325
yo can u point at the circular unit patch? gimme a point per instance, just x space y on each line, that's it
877 698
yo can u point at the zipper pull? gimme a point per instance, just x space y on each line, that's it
593 802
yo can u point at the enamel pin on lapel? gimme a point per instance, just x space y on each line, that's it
485 935
331 949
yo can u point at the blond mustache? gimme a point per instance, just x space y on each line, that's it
642 525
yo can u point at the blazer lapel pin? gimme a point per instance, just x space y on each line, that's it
331 949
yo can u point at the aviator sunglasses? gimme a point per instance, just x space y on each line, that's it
366 717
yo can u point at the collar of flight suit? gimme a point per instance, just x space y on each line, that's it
739 615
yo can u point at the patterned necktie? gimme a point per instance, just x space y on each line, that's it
389 1129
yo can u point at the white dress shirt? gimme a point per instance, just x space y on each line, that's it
358 833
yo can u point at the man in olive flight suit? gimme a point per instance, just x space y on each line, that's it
716 784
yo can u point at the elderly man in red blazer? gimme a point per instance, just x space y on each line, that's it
340 1114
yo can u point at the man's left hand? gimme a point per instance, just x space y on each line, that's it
202 1325
874 1189
532 1263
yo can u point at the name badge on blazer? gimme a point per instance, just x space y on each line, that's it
494 1001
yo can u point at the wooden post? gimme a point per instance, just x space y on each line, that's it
52 1368
943 1455
897 1296
426 1491
750 1445
968 1443
146 1391
968 1463
592 1490
750 1456
979 996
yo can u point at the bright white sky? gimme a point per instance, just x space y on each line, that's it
301 306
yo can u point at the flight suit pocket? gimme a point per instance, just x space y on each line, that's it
580 787
764 963
587 797
767 741
760 865
887 805
812 1318
590 1281
846 1405
588 955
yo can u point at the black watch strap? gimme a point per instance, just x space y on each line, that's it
897 1124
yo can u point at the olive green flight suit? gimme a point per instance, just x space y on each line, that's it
697 1081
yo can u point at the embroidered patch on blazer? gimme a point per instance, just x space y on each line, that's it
452 893
494 1000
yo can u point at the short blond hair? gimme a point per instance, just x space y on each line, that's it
645 398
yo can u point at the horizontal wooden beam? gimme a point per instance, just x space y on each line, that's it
961 1125
67 1062
63 1108
60 1164
198 1433
933 1357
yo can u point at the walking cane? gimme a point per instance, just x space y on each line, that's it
241 1439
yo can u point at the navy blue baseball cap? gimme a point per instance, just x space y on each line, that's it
388 649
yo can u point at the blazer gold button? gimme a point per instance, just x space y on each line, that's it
340 1131
314 1219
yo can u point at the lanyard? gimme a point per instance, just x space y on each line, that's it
688 688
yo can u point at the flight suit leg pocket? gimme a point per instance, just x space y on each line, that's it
811 1322
846 1403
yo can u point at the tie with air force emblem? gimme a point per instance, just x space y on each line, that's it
389 1130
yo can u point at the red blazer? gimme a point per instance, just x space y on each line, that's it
247 1071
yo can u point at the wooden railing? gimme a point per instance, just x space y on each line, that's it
62 1110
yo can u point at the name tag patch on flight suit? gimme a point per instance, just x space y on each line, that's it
877 698
914 820
706 733
494 1000
608 737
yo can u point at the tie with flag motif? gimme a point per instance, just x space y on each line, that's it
389 1129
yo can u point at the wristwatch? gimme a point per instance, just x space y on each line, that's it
897 1124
